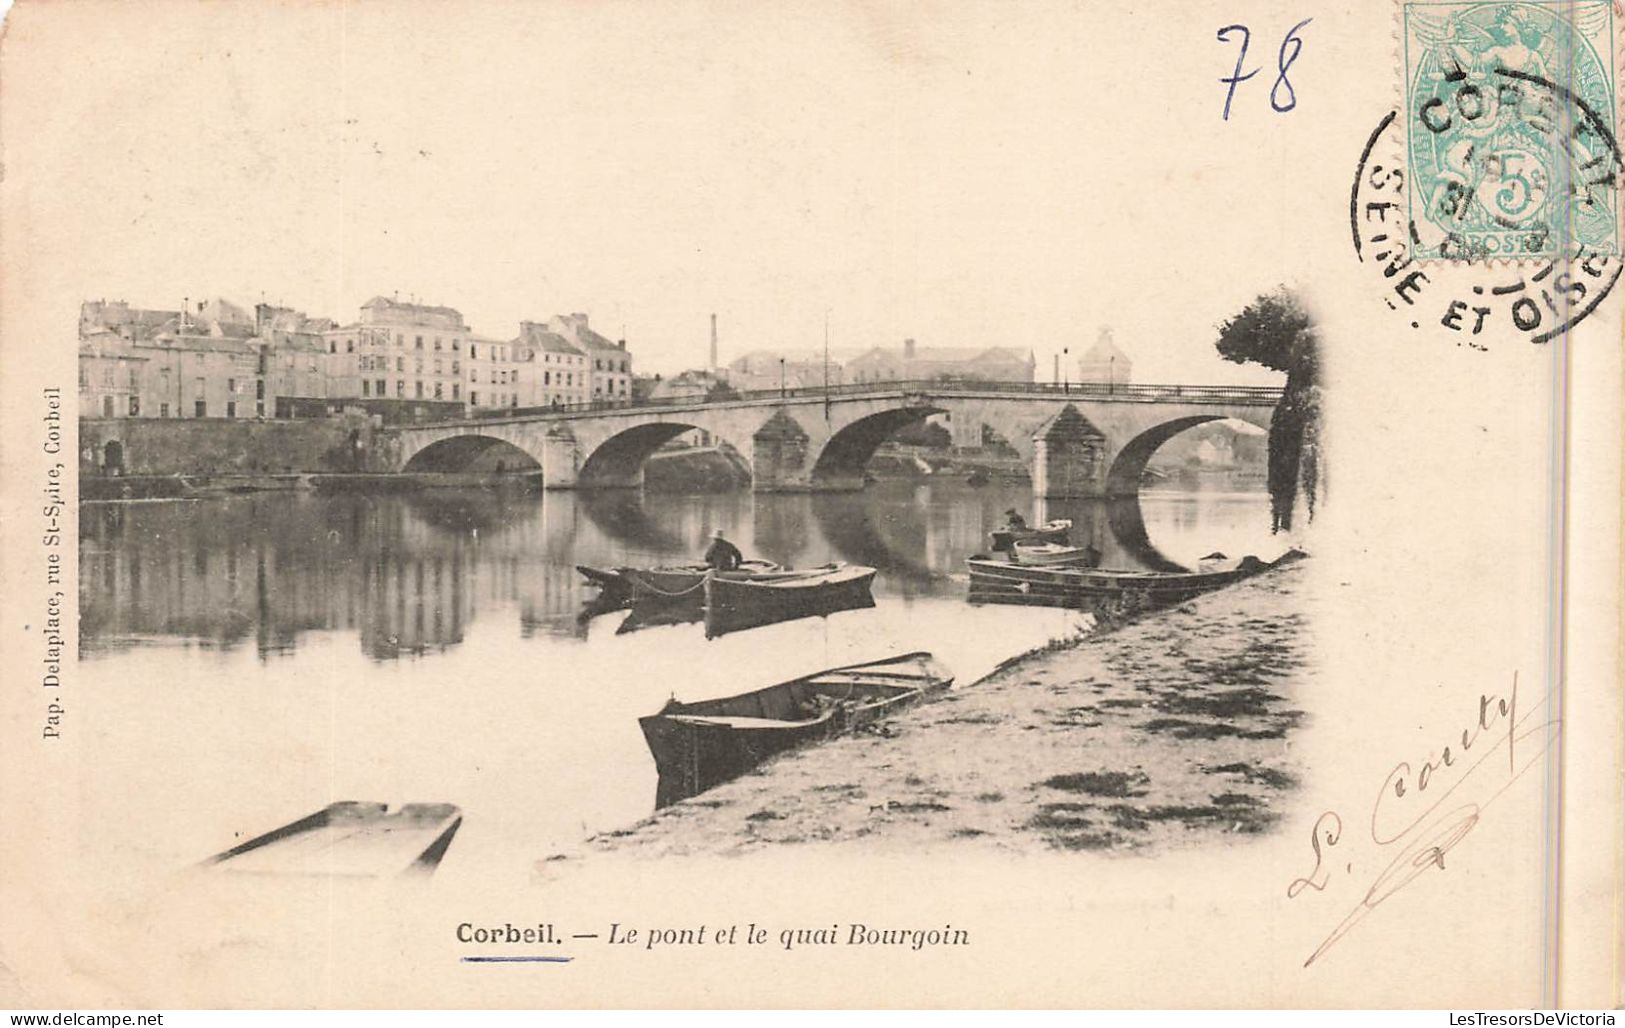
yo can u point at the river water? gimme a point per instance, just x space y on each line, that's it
247 660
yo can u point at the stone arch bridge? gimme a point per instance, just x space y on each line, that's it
1078 441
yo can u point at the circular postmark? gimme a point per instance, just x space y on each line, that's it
1534 299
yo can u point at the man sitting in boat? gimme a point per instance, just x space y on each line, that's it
722 555
1014 522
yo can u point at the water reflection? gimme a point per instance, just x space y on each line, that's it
408 574
475 680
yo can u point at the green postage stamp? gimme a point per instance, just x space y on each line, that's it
1511 142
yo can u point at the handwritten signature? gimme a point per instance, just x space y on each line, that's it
1407 810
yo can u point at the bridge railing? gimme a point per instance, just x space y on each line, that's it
1117 393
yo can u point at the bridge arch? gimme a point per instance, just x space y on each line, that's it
841 461
618 460
472 453
1128 466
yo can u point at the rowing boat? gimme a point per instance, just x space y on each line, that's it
351 839
620 586
735 602
699 745
997 581
1057 531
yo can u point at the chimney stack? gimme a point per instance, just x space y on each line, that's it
713 364
1057 378
908 349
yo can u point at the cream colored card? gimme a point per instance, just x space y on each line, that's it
257 562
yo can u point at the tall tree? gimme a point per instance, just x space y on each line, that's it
1276 331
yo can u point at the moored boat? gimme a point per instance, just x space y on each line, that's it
351 839
734 602
1056 531
620 586
702 744
998 581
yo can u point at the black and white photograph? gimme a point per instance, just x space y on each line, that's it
703 504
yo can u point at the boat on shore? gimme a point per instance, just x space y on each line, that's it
1056 531
351 839
1000 581
621 586
735 602
700 745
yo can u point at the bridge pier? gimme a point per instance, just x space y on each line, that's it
780 451
561 458
1069 457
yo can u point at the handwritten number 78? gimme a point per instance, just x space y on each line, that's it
1283 61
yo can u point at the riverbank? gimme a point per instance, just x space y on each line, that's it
104 489
1166 730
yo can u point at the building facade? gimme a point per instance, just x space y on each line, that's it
564 374
1104 363
766 370
398 361
959 364
608 364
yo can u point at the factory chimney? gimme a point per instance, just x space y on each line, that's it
713 364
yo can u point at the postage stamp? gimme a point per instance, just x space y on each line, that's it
1511 145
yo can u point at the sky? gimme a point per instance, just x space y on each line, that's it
969 174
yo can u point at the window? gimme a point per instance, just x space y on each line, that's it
107 406
200 409
473 351
231 385
197 387
419 343
400 389
547 378
455 389
84 377
437 368
418 365
135 378
366 388
437 390
400 338
418 390
332 346
456 367
473 374
231 408
437 342
349 346
163 410
474 398
382 387
107 374
259 389
456 345
259 408
400 363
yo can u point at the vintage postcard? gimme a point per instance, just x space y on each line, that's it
720 504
